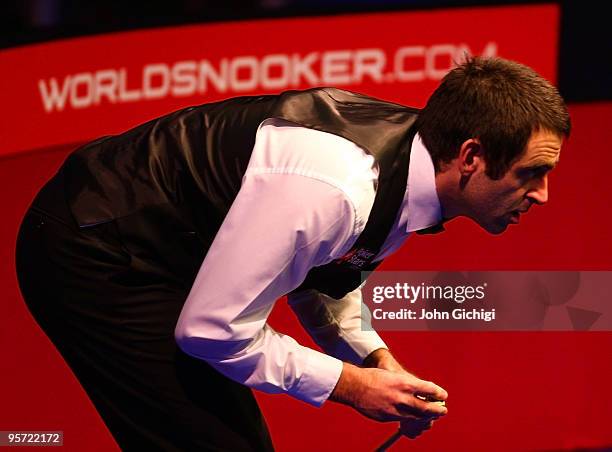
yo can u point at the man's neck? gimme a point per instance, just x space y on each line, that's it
447 188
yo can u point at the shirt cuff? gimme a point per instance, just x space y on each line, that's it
319 378
357 345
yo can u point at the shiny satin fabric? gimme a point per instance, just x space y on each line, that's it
185 169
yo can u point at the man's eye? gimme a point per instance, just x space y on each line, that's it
529 173
526 174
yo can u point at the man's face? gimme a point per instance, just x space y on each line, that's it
494 204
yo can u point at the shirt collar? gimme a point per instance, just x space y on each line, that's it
421 206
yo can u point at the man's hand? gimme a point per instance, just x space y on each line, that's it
386 396
383 359
415 427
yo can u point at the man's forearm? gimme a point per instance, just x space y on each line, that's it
382 359
337 326
346 387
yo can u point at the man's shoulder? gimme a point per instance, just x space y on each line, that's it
283 147
343 96
295 148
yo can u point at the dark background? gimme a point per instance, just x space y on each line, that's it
585 48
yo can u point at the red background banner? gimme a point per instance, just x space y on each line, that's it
508 391
105 84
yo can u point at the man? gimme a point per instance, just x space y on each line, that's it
153 258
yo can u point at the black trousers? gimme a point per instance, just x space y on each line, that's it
110 304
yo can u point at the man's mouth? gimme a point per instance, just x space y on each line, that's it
515 216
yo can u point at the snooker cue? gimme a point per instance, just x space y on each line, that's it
389 442
398 434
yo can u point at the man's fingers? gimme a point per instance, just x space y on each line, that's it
430 390
428 409
414 428
406 412
413 407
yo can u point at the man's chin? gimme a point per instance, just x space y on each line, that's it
495 228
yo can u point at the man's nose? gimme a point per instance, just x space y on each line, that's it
539 194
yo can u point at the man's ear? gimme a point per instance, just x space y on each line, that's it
471 157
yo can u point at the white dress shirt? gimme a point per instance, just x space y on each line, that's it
305 198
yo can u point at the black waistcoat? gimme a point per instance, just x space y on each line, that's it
180 173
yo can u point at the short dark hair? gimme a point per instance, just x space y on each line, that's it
498 101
